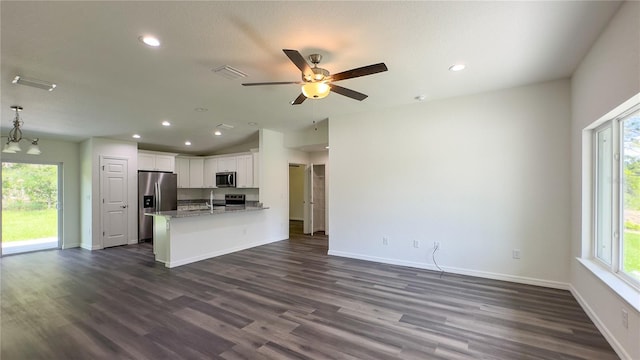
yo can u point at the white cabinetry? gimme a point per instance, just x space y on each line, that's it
210 169
245 171
152 161
227 163
256 169
196 173
182 169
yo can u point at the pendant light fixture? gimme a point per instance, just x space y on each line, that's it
15 136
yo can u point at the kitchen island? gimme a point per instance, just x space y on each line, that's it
183 237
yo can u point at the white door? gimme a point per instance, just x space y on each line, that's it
308 202
318 198
115 209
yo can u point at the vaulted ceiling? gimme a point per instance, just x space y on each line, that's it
109 84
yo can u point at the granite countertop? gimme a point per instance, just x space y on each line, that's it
207 212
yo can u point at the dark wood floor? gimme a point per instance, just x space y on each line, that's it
286 300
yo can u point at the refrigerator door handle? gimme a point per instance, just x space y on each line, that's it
158 196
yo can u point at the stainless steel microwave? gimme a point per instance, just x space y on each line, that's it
226 179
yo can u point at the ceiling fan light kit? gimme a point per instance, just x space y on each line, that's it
317 82
315 90
12 145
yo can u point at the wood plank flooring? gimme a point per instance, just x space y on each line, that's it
286 300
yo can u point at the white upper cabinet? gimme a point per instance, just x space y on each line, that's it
245 171
227 163
256 169
182 169
210 169
196 173
152 161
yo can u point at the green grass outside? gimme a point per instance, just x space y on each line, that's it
632 252
18 225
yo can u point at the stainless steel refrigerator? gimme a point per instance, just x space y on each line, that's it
157 191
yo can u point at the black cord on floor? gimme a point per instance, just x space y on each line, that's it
433 257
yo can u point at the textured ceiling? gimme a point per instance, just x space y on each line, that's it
111 85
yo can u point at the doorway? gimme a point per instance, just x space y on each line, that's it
30 207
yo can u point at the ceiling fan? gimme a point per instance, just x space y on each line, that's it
317 82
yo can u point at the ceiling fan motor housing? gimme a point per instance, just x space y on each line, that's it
319 74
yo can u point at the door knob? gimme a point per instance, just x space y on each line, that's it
124 206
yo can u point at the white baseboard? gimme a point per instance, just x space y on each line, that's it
600 325
70 245
90 246
476 273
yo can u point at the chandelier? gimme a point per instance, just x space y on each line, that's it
15 136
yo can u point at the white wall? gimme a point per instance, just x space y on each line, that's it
65 153
482 174
274 191
91 151
310 137
607 76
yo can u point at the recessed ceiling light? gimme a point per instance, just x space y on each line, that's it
136 136
200 109
188 143
217 133
421 97
253 123
150 40
456 67
166 123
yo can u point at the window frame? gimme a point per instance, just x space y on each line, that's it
617 192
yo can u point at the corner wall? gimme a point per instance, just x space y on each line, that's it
91 151
274 192
482 175
608 76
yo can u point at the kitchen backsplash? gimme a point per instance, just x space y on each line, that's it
218 194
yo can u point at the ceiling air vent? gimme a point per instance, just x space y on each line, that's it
225 126
228 72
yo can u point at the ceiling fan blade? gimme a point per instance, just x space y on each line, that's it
299 99
361 71
299 61
348 92
272 83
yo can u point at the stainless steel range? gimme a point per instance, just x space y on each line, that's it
234 200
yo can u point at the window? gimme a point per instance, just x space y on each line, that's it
616 222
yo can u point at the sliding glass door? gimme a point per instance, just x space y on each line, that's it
30 215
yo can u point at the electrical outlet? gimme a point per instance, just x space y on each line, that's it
516 253
416 244
385 241
625 319
436 245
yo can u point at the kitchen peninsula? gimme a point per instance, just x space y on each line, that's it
183 237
